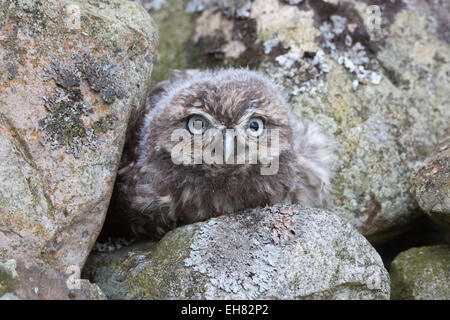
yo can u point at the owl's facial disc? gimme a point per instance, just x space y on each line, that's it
228 126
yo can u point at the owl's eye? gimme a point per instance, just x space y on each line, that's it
196 124
255 127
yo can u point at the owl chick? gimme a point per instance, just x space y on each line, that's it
157 190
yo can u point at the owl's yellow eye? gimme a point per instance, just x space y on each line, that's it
196 124
255 126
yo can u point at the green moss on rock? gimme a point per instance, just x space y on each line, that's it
176 27
8 276
421 274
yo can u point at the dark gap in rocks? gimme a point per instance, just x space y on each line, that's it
425 232
115 225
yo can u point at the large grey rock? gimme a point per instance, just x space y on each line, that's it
377 84
71 75
422 274
431 184
280 252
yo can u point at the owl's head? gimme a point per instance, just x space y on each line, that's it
220 121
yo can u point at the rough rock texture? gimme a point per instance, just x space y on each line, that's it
71 73
431 184
18 281
280 252
377 81
421 274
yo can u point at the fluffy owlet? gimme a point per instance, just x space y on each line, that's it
221 114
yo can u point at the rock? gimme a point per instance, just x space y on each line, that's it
71 75
375 80
431 184
280 252
18 281
421 274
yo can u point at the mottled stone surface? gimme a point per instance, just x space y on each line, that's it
377 84
280 252
32 282
431 184
421 274
71 74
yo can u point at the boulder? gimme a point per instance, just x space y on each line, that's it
72 73
431 184
421 274
33 282
373 77
279 252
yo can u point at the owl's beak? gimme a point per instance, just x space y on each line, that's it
228 146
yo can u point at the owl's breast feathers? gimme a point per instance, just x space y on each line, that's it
156 200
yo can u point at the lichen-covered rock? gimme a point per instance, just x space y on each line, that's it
421 274
280 252
431 184
28 281
374 78
71 74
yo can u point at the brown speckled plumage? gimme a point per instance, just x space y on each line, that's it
153 195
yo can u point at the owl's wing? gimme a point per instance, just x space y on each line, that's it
136 210
314 154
